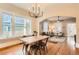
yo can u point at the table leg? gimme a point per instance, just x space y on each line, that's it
28 50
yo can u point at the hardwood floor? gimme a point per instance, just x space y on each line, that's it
53 49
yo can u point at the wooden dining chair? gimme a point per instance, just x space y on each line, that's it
35 48
43 45
39 47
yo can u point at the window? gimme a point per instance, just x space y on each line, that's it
28 27
19 26
6 25
22 26
58 27
45 26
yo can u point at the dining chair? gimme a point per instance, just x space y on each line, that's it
35 49
39 47
43 45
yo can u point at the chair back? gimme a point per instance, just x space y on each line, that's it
45 41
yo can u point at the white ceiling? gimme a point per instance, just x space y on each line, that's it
26 6
43 6
23 5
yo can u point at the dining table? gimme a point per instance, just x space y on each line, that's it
32 39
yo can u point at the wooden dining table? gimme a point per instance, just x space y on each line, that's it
30 40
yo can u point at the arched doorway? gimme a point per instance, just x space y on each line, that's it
60 24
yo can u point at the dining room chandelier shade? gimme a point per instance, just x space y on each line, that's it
35 12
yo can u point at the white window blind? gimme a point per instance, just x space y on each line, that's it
6 25
28 27
22 26
19 26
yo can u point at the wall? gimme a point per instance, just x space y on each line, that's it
12 9
71 10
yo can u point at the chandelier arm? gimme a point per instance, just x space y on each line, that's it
41 14
31 14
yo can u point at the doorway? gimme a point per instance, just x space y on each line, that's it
60 27
71 33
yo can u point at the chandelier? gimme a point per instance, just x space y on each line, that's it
35 12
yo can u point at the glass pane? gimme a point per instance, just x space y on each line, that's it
19 26
6 23
28 27
45 27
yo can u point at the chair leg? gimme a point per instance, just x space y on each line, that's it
31 51
43 50
36 51
46 49
40 51
23 48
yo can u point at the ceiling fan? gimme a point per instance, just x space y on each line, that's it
59 19
56 19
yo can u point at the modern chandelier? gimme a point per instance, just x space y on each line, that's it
35 11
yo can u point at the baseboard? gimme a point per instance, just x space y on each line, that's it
77 45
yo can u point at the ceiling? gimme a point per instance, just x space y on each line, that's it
26 6
23 5
45 7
